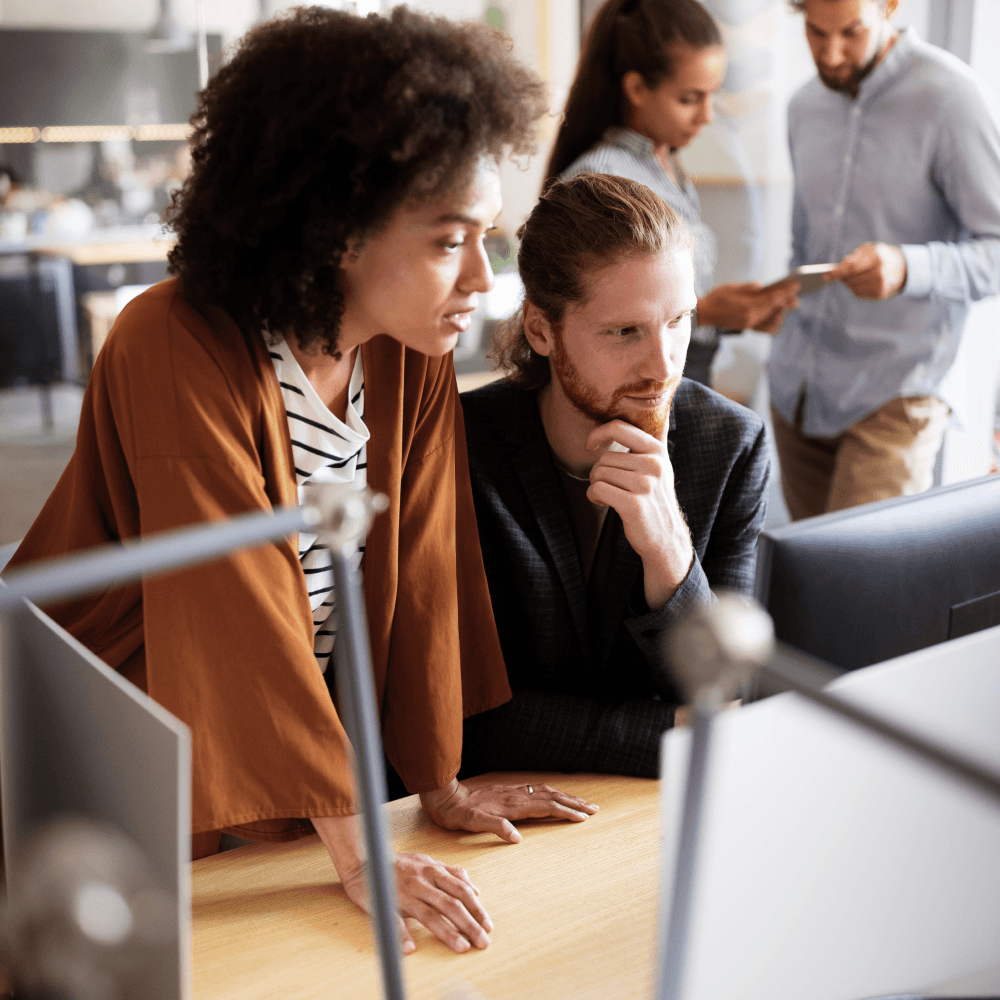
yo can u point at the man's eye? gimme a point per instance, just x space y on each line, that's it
624 331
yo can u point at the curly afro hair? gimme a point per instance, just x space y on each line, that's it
320 126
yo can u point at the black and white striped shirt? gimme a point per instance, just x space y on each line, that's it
321 441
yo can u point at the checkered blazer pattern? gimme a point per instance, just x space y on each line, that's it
592 687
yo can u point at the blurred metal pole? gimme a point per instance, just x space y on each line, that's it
51 580
353 663
346 515
202 47
670 971
713 652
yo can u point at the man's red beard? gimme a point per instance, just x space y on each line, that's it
589 402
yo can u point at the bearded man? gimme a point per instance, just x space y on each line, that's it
611 494
895 147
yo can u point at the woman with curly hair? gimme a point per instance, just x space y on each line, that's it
329 253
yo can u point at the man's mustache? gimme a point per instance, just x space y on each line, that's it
646 387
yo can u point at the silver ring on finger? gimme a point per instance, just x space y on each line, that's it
531 790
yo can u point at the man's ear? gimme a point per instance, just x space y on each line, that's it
890 8
634 88
537 329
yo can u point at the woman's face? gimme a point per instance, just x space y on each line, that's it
674 111
418 278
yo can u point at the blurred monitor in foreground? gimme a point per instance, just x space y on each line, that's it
834 866
861 586
95 780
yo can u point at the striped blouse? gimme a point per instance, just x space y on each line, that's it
321 441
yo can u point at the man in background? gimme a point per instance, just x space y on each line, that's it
895 148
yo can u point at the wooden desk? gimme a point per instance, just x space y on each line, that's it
574 909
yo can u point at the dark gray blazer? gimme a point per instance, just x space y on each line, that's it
571 664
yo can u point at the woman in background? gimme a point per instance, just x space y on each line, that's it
643 90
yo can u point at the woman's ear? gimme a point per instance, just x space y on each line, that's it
634 88
537 329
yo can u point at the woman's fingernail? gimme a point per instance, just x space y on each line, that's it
463 945
409 947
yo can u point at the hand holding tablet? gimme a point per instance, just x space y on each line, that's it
811 278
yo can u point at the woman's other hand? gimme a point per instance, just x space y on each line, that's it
492 808
439 896
747 306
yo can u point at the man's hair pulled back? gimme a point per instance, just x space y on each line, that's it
320 126
578 228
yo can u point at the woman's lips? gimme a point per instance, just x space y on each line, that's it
460 320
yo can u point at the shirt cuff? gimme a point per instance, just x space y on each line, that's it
919 277
649 628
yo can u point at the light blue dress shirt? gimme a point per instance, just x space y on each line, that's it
913 161
628 154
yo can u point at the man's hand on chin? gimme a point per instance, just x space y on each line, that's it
639 484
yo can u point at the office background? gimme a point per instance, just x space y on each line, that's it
740 164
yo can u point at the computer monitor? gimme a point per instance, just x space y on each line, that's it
832 865
863 585
77 739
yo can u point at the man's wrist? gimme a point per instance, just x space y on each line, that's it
663 577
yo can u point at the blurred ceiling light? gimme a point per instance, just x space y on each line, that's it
85 133
19 135
167 35
97 133
162 133
366 7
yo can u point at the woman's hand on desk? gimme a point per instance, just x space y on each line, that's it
490 809
442 897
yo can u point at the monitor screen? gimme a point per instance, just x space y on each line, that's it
860 586
832 864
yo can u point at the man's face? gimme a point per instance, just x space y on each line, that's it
621 352
846 38
417 279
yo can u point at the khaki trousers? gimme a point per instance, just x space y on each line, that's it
890 453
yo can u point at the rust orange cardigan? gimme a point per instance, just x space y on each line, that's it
184 423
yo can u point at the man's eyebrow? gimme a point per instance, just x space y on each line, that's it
621 323
847 27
